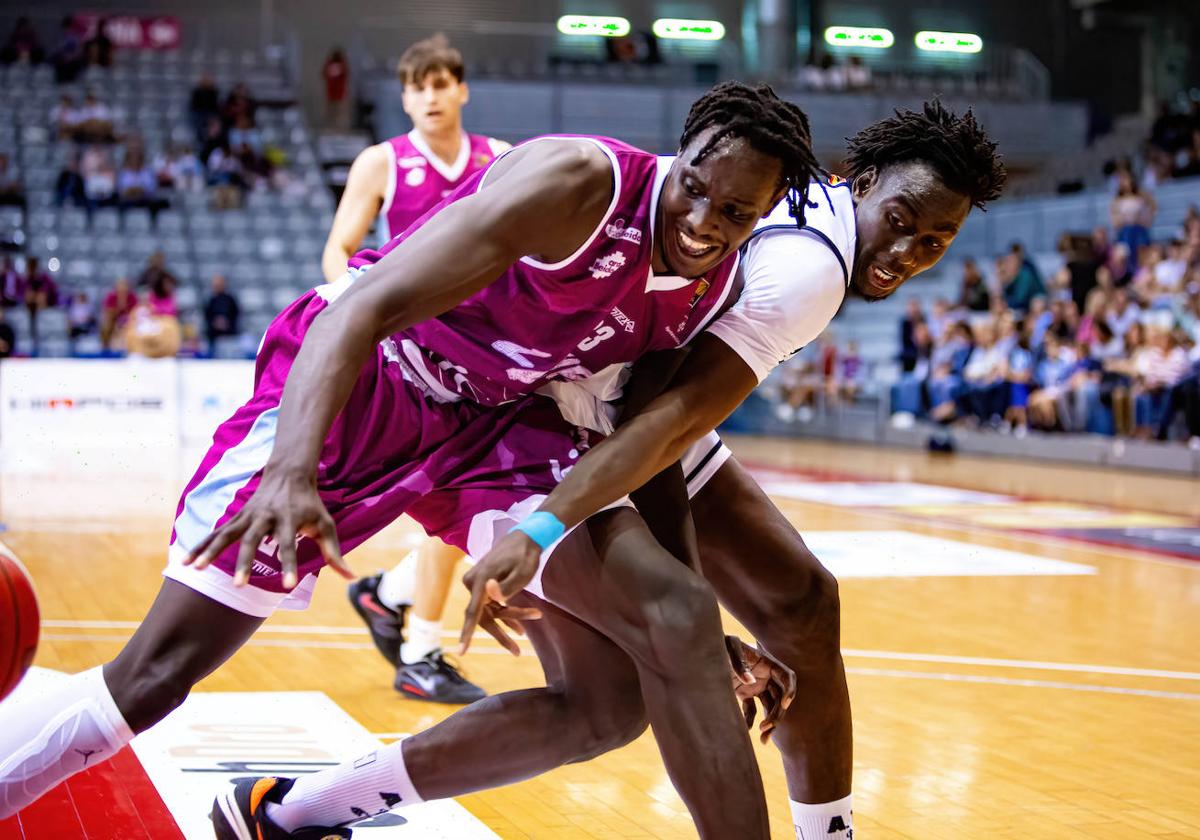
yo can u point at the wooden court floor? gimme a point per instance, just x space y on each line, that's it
1000 706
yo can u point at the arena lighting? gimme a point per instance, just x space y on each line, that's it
608 27
859 36
959 42
689 30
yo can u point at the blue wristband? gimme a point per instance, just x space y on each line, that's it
542 527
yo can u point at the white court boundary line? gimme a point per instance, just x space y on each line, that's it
903 656
975 678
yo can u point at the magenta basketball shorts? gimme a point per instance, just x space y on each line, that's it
393 444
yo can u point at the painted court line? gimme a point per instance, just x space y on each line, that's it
973 678
903 656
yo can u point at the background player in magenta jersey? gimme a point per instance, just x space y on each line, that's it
422 346
398 181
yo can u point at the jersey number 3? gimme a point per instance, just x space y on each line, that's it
603 333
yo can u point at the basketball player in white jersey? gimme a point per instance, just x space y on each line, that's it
916 177
398 181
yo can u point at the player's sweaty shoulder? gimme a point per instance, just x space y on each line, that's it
575 168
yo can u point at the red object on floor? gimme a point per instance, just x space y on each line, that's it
112 801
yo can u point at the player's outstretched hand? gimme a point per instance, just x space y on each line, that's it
757 674
282 508
502 573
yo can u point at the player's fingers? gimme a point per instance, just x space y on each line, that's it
785 678
285 537
733 646
496 592
518 613
199 549
221 539
497 632
327 541
251 539
513 624
471 615
749 711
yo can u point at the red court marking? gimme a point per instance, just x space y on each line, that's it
113 801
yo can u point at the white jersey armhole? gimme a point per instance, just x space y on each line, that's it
612 205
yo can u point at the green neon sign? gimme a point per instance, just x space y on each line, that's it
859 36
607 27
958 42
689 30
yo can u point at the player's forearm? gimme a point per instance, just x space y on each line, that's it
318 385
333 261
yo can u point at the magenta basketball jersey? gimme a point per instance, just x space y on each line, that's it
420 179
539 322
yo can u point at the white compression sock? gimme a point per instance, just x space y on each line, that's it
398 585
422 637
370 785
827 821
47 736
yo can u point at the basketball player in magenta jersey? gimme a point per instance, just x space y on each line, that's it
398 181
403 378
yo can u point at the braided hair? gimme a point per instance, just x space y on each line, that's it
770 125
956 147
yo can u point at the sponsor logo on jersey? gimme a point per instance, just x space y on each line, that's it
415 176
617 230
410 162
701 288
605 266
624 320
482 159
834 180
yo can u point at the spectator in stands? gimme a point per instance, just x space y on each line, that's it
1158 366
118 304
945 378
12 191
226 178
69 186
1018 373
336 73
1161 280
983 394
908 325
156 273
1123 313
852 371
137 185
12 288
1078 274
203 106
160 297
98 50
179 169
1094 313
1022 281
40 291
66 117
99 178
1118 268
68 55
81 315
23 45
95 121
8 337
1184 396
858 74
1064 319
215 137
220 312
238 104
974 295
244 136
1119 377
1049 404
1132 213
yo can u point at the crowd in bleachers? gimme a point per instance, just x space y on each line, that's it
112 158
1109 343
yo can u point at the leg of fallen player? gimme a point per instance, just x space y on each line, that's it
591 704
665 617
765 575
90 716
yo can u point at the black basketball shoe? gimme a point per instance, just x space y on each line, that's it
386 625
241 813
436 680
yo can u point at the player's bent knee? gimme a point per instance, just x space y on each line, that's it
799 621
148 693
617 724
678 621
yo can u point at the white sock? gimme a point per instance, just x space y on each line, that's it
398 586
370 785
422 637
47 736
828 821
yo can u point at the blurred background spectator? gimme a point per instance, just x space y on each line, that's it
336 74
220 312
68 58
23 45
12 191
8 336
118 305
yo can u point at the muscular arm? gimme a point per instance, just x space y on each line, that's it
360 204
710 383
543 201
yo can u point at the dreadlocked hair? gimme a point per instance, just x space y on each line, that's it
957 147
769 124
